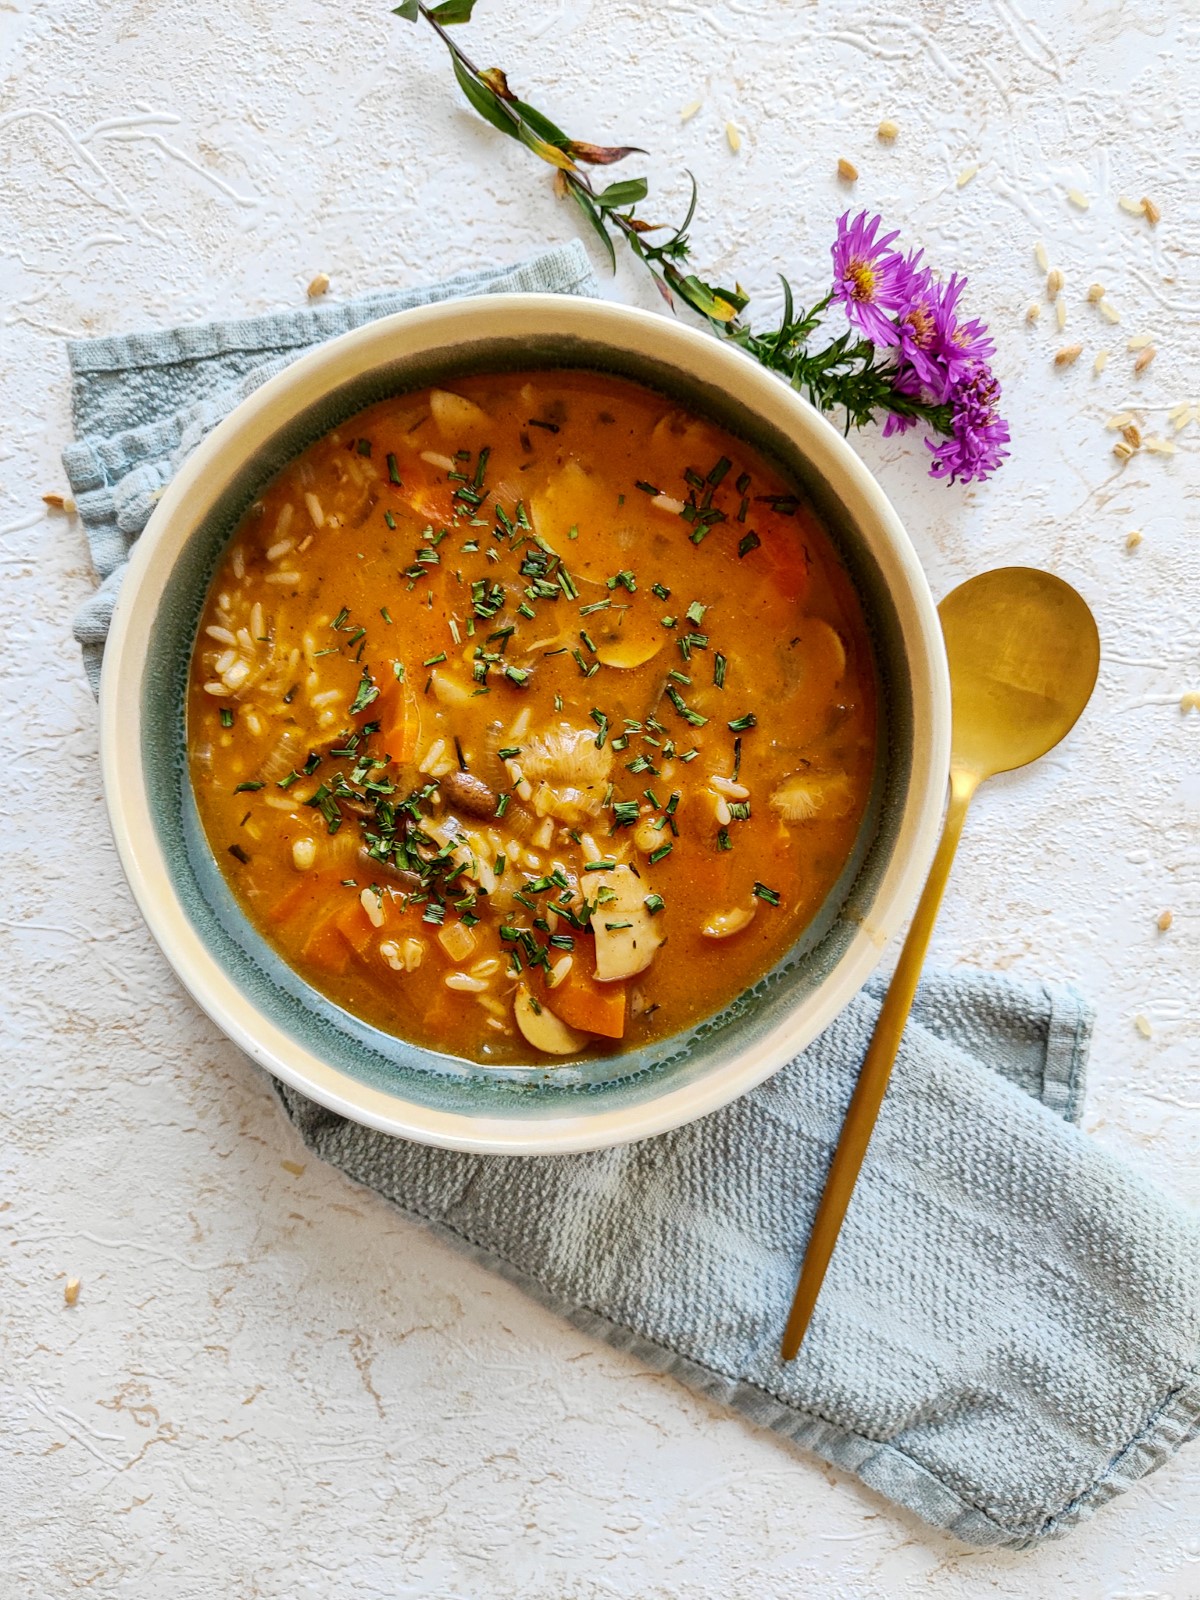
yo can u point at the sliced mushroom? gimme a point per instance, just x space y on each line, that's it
726 923
543 1030
627 636
807 795
627 936
463 791
455 415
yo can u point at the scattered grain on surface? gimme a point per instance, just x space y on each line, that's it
318 286
887 131
1033 313
690 110
1060 313
1144 359
1078 199
1139 341
60 502
1164 921
1122 450
1132 208
1109 311
966 175
1150 211
1054 283
1040 256
296 1168
1095 293
847 171
1101 361
1160 447
734 136
1121 420
1068 355
71 1291
1142 1024
1133 538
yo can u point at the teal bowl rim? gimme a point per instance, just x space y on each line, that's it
299 1034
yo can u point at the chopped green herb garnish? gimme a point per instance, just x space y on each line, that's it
740 723
646 488
248 788
238 854
625 813
394 470
603 865
660 590
771 896
226 717
433 661
719 670
719 471
654 903
601 721
684 710
663 850
340 618
389 519
695 613
751 541
596 605
510 752
724 842
625 579
286 783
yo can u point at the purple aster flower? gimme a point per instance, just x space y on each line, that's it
975 446
871 281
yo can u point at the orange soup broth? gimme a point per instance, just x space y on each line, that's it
564 565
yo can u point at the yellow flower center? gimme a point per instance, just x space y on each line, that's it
862 278
921 323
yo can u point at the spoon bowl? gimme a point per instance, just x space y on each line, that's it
1024 652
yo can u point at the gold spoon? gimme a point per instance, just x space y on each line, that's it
1023 652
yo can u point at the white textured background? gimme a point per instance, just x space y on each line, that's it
272 1385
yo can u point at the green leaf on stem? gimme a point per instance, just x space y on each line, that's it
408 10
626 193
486 101
586 204
451 12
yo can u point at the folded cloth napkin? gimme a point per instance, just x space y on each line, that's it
1009 1333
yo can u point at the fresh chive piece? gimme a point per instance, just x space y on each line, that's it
695 613
724 842
737 758
684 710
366 693
719 665
605 864
673 802
238 854
653 799
226 717
536 422
398 669
286 783
596 605
601 721
502 804
499 865
625 813
660 590
654 903
567 584
751 541
668 622
517 675
679 677
646 488
248 788
389 519
562 941
340 618
587 639
510 752
394 470
364 447
719 471
311 765
740 723
743 483
526 610
739 810
432 661
663 850
385 614
771 896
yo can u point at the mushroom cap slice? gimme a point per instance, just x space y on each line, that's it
455 416
542 1029
627 936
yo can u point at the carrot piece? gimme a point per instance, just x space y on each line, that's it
326 948
356 927
306 891
585 1004
398 714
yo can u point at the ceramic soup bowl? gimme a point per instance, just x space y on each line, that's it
239 980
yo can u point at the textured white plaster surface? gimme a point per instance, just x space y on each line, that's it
272 1385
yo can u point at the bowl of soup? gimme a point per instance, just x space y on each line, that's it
524 723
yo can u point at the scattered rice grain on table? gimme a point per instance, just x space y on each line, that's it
318 286
1145 358
1068 355
1164 921
887 130
847 170
966 175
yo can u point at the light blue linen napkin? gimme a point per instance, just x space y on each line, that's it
1009 1334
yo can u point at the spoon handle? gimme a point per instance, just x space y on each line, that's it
876 1069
